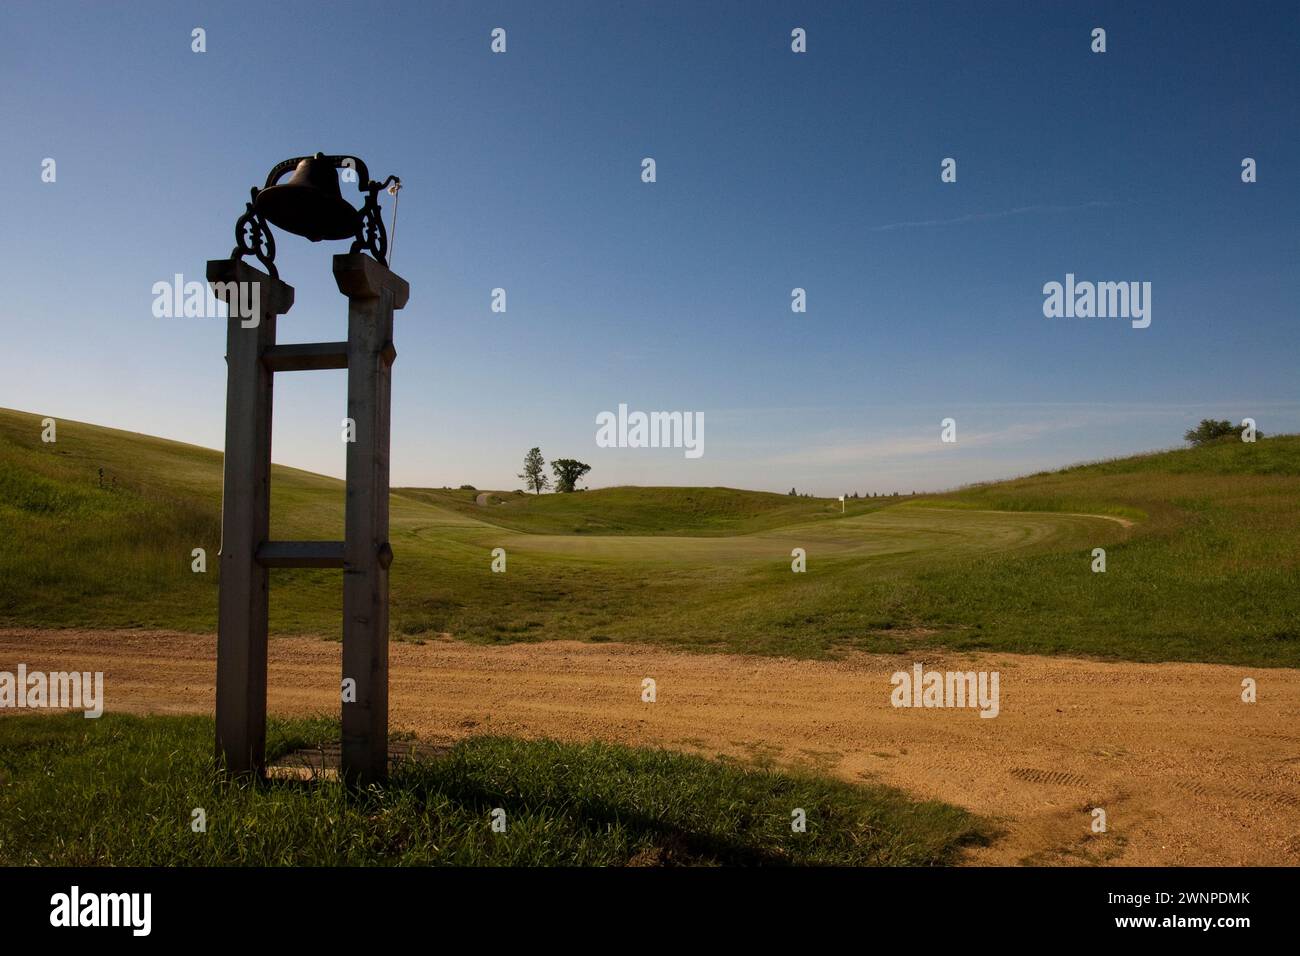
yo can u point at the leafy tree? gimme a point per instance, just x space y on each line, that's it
568 472
1210 430
534 473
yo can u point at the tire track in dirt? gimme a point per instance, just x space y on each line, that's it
1055 778
1187 773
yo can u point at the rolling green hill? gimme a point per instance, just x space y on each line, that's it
635 510
1208 570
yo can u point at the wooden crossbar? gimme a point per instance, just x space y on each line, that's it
300 554
306 356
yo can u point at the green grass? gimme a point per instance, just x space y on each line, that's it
121 790
1209 572
696 512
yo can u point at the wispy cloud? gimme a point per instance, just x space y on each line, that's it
920 443
910 447
986 216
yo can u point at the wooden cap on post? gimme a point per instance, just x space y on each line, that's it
361 277
277 296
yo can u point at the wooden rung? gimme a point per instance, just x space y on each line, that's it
306 356
300 554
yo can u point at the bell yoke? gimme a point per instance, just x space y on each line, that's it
311 205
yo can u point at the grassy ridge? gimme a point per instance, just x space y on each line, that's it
636 510
1209 571
78 549
121 790
1212 572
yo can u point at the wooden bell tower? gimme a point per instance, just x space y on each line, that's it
310 205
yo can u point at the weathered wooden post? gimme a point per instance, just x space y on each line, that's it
310 205
373 293
245 512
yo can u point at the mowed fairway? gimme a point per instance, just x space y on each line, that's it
901 533
1201 563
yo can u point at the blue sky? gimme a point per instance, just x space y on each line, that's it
775 170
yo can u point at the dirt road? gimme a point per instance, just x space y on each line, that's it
1186 772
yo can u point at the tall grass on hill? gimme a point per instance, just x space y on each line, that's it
78 548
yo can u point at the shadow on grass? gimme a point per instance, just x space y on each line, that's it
124 791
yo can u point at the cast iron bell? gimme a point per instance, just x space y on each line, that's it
310 203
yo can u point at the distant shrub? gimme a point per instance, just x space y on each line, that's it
1210 430
468 488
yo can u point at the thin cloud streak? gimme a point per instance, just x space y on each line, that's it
912 447
899 449
987 216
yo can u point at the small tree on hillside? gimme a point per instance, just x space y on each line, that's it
1210 430
534 473
568 472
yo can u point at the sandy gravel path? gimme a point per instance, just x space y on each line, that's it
1187 773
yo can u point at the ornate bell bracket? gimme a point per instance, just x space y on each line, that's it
253 235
